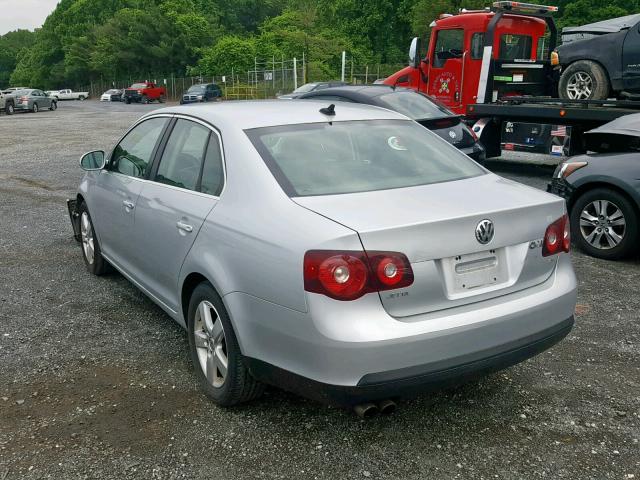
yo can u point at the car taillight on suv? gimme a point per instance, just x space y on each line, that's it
557 237
348 275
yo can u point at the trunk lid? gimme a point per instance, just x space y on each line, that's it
435 227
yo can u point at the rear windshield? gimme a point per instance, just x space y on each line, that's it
358 156
515 47
414 105
196 88
307 87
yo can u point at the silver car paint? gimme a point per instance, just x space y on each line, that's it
251 246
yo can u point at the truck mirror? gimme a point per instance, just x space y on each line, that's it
414 53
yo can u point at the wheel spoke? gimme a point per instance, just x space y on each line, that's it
217 332
205 316
200 339
211 367
613 238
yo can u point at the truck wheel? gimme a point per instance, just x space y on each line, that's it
81 98
584 80
161 99
35 108
604 224
127 100
9 108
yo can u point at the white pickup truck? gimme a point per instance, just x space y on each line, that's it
7 102
68 94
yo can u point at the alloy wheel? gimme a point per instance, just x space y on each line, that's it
211 345
602 224
580 86
86 233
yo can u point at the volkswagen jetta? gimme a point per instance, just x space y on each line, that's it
342 252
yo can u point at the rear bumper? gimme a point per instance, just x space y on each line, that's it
22 106
417 379
356 349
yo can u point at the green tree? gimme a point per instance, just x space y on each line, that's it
11 44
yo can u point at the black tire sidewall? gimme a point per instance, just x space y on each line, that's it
9 108
53 106
629 241
222 395
35 109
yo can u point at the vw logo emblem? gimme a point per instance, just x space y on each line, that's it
452 134
484 231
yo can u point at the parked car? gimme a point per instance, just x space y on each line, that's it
67 94
145 92
424 110
602 190
310 87
34 100
600 59
346 254
13 89
7 102
112 95
202 92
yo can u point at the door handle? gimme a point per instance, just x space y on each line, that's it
184 227
128 204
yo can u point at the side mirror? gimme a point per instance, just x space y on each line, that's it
92 161
414 53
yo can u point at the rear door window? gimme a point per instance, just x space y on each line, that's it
181 160
212 171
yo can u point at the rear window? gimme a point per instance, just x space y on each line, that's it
414 105
514 47
358 156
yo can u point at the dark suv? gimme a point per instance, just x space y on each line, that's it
202 92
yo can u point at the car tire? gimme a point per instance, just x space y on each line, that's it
10 109
211 340
54 106
91 252
145 100
618 234
35 108
127 100
584 80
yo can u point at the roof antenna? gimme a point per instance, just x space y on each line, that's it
330 110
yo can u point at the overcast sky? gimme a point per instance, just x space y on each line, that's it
27 14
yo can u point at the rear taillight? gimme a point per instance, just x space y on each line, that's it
348 275
24 99
557 237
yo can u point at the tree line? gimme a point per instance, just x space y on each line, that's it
91 39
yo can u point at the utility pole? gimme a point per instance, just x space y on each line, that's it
295 73
344 59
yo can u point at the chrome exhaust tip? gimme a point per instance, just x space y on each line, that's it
366 410
387 407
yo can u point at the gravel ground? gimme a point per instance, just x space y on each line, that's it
95 380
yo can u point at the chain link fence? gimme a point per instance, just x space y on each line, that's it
268 79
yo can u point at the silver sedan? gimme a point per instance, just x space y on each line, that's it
342 252
34 100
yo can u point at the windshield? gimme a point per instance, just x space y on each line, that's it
307 87
414 105
112 92
196 89
358 156
139 85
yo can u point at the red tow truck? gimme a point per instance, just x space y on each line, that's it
499 68
145 92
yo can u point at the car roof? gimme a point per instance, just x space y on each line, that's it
355 91
246 114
